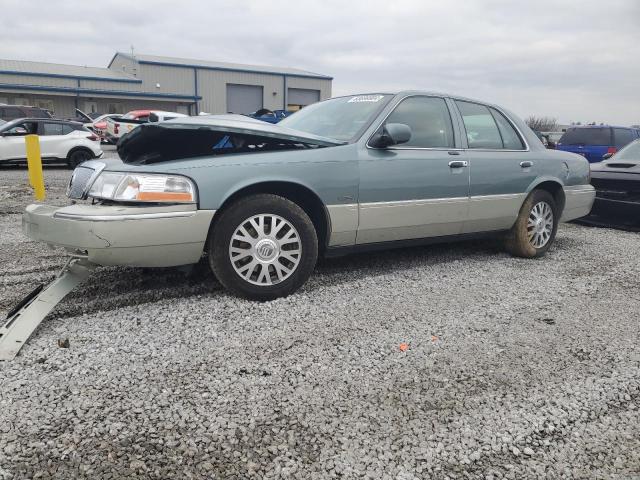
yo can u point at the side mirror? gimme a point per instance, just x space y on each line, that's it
607 156
391 134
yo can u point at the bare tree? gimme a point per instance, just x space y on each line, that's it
542 124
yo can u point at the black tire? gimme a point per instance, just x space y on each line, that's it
76 157
239 213
518 241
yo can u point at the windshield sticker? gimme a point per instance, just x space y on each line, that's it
366 98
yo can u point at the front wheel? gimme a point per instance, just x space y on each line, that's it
535 229
263 247
76 157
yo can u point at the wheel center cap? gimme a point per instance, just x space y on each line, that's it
266 250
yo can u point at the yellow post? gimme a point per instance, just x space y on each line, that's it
34 164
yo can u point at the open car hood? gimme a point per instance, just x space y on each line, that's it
210 136
84 116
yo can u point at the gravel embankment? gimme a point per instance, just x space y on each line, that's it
514 369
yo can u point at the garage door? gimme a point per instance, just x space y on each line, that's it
243 98
302 96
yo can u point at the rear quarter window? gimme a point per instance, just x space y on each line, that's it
587 136
623 136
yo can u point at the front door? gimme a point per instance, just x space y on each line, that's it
417 189
12 143
501 168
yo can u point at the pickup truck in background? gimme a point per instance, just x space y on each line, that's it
119 126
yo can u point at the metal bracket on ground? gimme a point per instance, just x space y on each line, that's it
29 313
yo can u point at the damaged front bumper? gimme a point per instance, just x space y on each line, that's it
139 236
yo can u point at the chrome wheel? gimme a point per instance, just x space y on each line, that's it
265 249
540 224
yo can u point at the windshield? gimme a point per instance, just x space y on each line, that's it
340 118
587 136
630 152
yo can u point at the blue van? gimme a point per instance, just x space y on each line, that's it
594 141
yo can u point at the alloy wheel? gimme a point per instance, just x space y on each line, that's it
540 224
265 249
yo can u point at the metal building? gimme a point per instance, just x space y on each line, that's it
161 83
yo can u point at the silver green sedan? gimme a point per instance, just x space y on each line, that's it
261 202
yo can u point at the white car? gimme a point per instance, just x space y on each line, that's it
60 141
119 126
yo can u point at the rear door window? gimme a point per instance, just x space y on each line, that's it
622 136
482 131
66 129
587 136
52 129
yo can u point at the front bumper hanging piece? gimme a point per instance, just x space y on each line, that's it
32 310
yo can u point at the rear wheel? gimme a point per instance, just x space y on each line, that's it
76 157
536 226
263 247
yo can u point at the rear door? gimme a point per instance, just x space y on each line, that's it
417 189
52 139
501 167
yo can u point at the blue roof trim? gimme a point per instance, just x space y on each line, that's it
229 69
73 77
79 91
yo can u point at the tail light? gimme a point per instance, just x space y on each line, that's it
612 150
93 138
116 128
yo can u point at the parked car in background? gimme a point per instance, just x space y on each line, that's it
617 184
116 127
355 172
12 112
96 122
270 116
595 141
60 141
552 138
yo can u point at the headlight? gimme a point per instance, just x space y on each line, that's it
130 187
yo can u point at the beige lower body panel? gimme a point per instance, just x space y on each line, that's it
493 212
578 202
403 220
344 224
115 235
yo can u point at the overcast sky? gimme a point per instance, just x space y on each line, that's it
573 60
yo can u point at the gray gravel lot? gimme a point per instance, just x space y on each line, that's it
515 368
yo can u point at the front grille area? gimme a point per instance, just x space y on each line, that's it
615 189
79 182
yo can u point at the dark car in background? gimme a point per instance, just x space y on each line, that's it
595 141
12 112
617 184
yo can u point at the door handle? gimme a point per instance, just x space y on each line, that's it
526 164
453 152
458 164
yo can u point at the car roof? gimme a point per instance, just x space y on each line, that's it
404 93
48 120
19 106
600 126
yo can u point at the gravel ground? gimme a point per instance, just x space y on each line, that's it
514 368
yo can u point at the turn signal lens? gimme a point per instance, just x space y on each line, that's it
143 188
